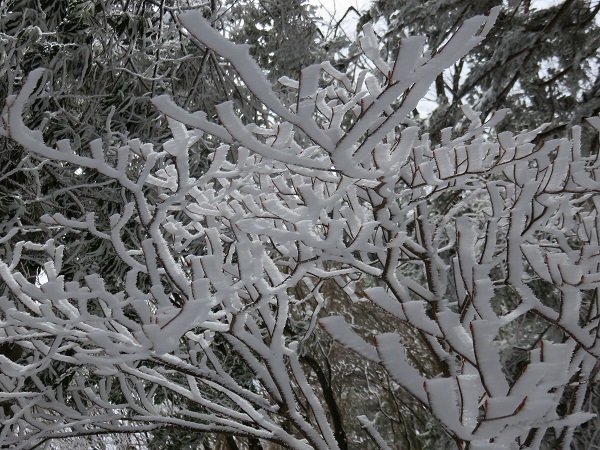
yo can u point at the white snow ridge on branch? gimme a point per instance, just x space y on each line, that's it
336 195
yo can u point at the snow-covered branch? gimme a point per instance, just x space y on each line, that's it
454 242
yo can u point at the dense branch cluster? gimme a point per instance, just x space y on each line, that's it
336 197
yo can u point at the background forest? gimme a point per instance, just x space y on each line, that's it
346 334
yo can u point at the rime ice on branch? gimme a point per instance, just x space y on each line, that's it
457 242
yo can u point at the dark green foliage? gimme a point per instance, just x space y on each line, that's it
283 33
540 63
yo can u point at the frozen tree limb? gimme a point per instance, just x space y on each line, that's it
333 188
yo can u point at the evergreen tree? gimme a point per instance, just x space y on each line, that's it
540 60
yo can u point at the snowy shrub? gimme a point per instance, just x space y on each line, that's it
471 248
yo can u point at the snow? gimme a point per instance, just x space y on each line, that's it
339 330
393 358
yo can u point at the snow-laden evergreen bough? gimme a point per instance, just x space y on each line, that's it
456 242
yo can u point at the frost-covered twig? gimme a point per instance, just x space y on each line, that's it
456 242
